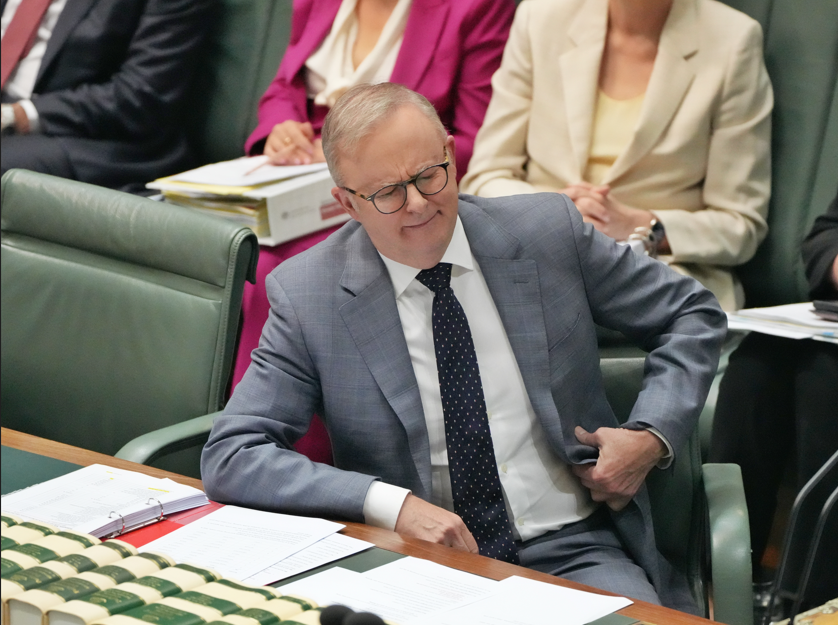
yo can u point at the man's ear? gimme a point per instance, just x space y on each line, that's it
452 156
342 198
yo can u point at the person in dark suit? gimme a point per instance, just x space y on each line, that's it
99 95
779 396
357 336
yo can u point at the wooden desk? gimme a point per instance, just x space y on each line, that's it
487 567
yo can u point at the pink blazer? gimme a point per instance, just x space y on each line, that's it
449 52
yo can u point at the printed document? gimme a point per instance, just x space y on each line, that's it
240 542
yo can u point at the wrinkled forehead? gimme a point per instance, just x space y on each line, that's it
396 148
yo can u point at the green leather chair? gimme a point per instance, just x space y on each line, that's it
699 511
801 54
241 56
119 315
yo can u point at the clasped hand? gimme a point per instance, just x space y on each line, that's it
625 458
606 214
293 143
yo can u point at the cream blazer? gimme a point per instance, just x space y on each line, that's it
700 154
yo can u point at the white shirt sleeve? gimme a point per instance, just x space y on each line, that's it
664 462
383 504
31 114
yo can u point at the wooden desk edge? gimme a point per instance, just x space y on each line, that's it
384 539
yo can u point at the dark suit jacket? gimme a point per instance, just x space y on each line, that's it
819 251
334 345
112 83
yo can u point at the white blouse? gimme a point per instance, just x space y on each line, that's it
330 69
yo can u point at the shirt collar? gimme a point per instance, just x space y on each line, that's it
458 254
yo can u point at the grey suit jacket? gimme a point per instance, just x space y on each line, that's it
334 345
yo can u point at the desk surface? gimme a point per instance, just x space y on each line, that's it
59 454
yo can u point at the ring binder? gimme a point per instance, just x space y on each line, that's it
122 518
148 503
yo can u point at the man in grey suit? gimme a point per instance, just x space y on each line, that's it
361 330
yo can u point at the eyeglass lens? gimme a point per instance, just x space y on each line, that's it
429 182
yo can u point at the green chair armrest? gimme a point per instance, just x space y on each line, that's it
730 544
153 445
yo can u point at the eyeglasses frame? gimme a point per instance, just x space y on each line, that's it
403 184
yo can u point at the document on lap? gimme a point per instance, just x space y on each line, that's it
239 542
792 321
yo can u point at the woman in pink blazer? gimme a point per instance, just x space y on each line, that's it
448 53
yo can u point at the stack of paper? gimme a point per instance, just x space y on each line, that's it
794 321
248 190
102 500
256 546
411 591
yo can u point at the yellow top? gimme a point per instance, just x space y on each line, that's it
613 129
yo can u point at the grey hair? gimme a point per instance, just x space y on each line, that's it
358 111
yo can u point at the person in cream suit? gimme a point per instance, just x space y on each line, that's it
652 116
353 336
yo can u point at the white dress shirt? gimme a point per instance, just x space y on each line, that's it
22 80
541 492
331 70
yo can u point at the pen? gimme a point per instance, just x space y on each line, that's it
262 164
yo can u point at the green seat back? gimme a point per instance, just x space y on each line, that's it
677 496
801 54
240 59
119 314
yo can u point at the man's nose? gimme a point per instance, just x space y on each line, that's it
416 202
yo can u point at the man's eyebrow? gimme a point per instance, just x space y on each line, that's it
418 170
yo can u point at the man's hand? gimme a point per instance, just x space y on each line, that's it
420 519
625 458
293 143
608 215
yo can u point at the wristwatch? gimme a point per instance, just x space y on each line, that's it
650 236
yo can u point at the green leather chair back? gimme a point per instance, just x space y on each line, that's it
241 57
119 314
801 53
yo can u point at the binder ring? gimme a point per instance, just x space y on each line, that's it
148 503
122 518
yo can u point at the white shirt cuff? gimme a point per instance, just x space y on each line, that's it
31 114
383 504
664 462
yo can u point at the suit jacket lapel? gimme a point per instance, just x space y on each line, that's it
514 285
671 77
72 14
422 32
317 27
580 75
372 319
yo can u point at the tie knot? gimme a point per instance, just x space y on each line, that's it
437 277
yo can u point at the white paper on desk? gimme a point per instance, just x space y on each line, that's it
243 172
401 591
322 552
239 542
97 496
520 601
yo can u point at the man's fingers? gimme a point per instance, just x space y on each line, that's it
585 437
468 540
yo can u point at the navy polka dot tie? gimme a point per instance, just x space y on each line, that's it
478 499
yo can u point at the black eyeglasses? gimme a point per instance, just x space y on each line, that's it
393 197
